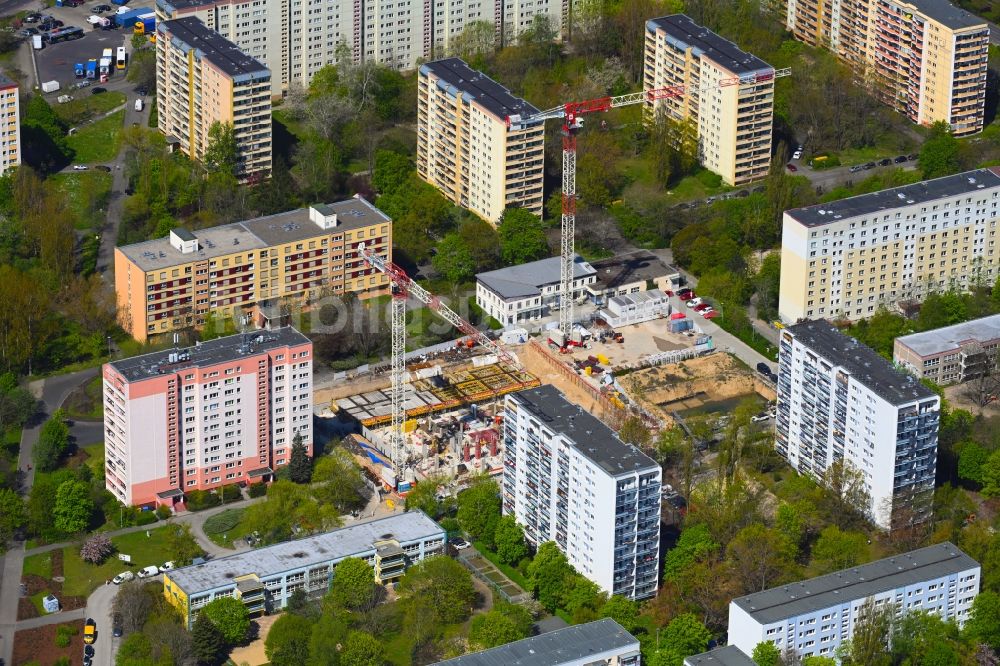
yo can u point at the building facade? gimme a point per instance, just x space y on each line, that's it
927 59
813 617
172 283
951 354
203 79
519 294
728 95
222 412
844 259
840 401
468 148
10 124
562 467
265 578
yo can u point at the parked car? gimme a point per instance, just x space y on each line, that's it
458 543
912 157
707 311
79 167
710 315
900 159
98 90
856 168
869 165
693 302
123 577
763 368
884 161
33 18
117 625
797 155
166 566
701 306
100 9
760 418
88 651
89 631
146 572
104 168
792 167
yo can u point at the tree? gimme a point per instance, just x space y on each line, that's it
760 556
362 649
766 653
424 497
622 610
983 624
835 550
522 237
695 543
353 585
924 638
133 604
208 643
939 154
53 443
298 601
846 500
73 507
971 460
221 154
549 571
287 642
492 629
443 586
479 509
634 431
991 475
482 241
230 617
299 464
453 259
181 545
509 540
96 549
341 482
869 643
683 637
13 515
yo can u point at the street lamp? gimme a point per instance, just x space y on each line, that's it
109 347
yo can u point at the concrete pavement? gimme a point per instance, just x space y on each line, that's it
99 608
53 618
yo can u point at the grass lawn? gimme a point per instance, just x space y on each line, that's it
86 193
39 565
226 527
87 105
98 142
95 457
87 401
83 578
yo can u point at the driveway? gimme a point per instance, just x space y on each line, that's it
828 179
99 608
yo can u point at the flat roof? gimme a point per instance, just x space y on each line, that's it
896 197
946 13
631 267
580 643
684 33
205 354
590 436
353 540
860 361
253 234
947 338
847 585
525 280
190 33
6 81
723 656
455 76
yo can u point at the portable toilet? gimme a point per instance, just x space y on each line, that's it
78 69
50 604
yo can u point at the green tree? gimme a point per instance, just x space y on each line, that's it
391 171
479 509
13 515
353 584
760 557
695 543
181 545
766 653
424 497
683 637
549 572
817 660
482 241
328 635
583 599
991 475
971 460
340 481
221 153
622 610
835 550
939 154
509 539
53 443
983 624
362 649
287 641
298 601
43 137
453 259
441 587
73 507
299 464
492 629
922 638
230 617
522 237
207 642
634 431
869 644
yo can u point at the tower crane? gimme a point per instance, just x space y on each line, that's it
571 114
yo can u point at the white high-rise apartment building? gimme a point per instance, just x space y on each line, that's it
839 400
224 411
295 39
569 479
10 125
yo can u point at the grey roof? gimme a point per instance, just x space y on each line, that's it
171 7
6 81
589 643
591 437
947 14
455 76
184 234
190 33
205 354
848 585
685 33
258 233
948 338
896 197
632 267
525 280
724 656
860 361
354 540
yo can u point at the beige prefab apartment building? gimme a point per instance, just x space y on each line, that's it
734 120
171 283
10 125
845 259
926 59
203 78
467 149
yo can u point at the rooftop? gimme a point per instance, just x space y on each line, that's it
455 76
632 267
190 33
684 33
356 540
860 361
590 436
526 280
205 354
589 643
723 656
6 81
861 582
952 337
946 13
896 197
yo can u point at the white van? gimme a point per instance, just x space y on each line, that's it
138 105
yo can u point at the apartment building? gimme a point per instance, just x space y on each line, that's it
203 78
468 148
839 400
10 127
951 354
728 95
222 412
600 643
171 283
927 59
567 478
813 617
264 579
729 655
844 259
518 294
295 39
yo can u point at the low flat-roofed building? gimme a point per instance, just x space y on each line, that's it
528 291
951 354
630 273
599 643
724 656
264 578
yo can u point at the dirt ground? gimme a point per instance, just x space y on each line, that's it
641 340
253 654
39 645
571 385
958 398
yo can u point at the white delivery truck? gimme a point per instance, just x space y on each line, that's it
138 105
50 86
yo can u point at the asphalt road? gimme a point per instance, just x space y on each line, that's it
99 608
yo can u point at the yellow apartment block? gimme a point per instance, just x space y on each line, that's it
734 120
203 78
926 59
171 283
466 147
847 258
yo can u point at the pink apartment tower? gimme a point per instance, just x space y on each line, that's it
221 412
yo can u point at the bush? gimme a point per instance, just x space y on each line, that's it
198 500
64 635
96 549
145 517
231 493
163 512
257 490
62 661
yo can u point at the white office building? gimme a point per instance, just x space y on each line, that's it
813 617
518 294
839 400
562 467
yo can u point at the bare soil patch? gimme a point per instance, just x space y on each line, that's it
39 645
